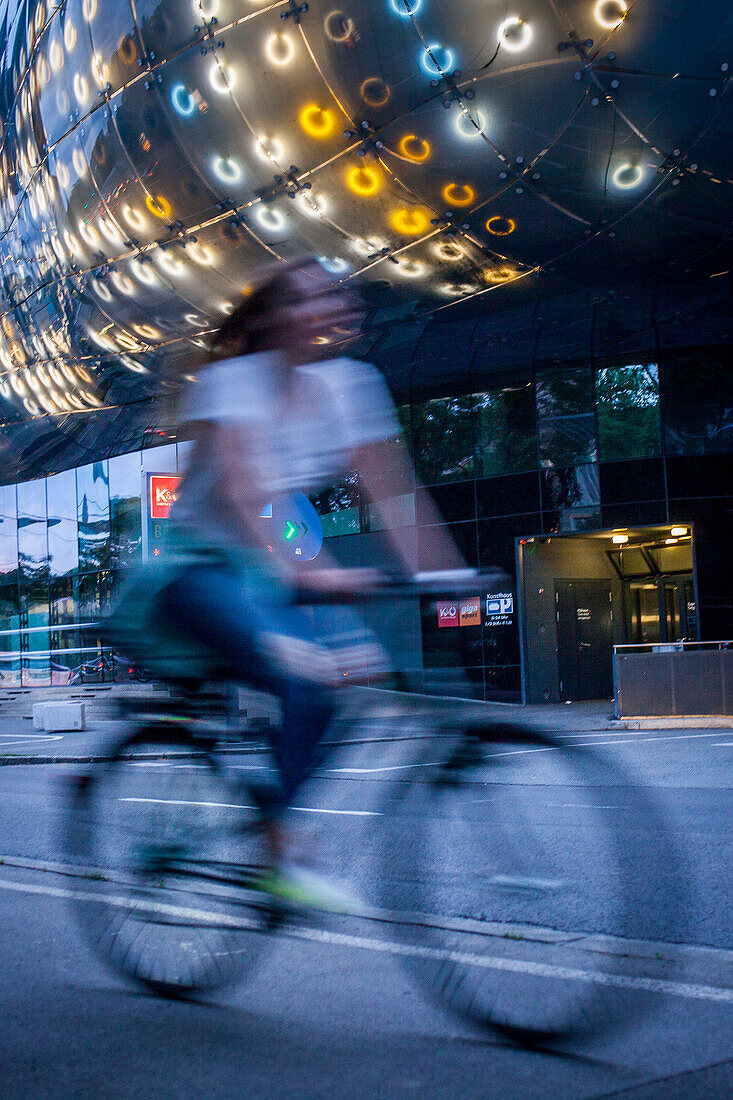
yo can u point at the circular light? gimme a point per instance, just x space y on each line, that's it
222 78
134 218
270 149
101 290
100 71
405 8
123 283
159 206
410 269
279 49
133 365
610 13
69 36
226 307
470 125
81 89
89 234
89 9
143 272
458 194
56 56
456 290
316 121
207 9
310 205
363 180
62 101
375 91
334 265
62 175
498 274
182 100
147 332
414 148
80 165
447 250
227 169
436 59
368 246
173 267
410 221
200 254
193 319
273 220
515 34
628 175
339 27
500 227
110 231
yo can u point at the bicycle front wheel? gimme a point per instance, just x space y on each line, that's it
169 859
522 887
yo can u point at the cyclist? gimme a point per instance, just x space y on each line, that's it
269 416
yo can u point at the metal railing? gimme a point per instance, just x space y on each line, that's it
673 678
670 647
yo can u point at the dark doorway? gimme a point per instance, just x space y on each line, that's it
584 643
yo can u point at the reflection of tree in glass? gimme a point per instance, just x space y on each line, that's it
697 391
627 400
506 430
339 507
443 439
565 416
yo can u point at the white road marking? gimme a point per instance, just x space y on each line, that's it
242 806
593 744
391 768
579 806
723 745
659 986
23 738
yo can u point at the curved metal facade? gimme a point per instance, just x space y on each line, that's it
158 154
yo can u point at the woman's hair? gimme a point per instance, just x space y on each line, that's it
251 326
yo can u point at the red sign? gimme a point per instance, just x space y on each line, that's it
163 492
448 614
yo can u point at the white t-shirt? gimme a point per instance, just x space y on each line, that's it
299 438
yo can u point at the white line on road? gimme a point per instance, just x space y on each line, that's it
593 744
659 986
391 768
23 738
242 806
723 745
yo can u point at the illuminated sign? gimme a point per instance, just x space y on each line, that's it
448 614
469 612
499 608
163 490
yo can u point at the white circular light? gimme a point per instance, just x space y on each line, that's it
222 78
201 254
110 231
627 176
515 34
271 219
193 319
410 269
610 13
227 169
80 165
405 8
143 272
89 234
279 49
207 9
101 290
335 265
134 218
173 267
270 149
89 9
470 124
69 36
133 365
81 89
122 283
310 205
62 101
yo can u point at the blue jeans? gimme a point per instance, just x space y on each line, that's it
227 612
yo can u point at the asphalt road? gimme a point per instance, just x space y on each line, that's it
333 1012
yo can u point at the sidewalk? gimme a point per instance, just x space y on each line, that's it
21 744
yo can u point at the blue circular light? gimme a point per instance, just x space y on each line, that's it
405 7
437 59
182 100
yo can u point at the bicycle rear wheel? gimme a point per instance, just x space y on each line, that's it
517 896
169 860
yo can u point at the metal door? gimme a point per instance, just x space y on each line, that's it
584 639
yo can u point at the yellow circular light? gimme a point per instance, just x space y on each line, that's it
364 180
410 221
159 206
610 13
147 331
499 226
415 148
459 194
317 121
128 49
375 91
279 49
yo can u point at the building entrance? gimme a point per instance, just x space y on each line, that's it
584 639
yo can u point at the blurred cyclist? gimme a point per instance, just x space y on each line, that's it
270 416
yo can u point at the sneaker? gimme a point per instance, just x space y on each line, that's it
305 888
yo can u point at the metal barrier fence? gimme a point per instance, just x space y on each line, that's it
673 678
22 665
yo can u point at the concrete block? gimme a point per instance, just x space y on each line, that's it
53 717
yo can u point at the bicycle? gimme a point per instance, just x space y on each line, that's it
488 902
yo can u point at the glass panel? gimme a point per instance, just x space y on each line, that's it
571 497
642 613
9 642
631 562
339 508
63 547
161 460
125 486
566 418
62 615
697 393
35 643
672 559
628 412
443 439
92 501
8 532
32 532
506 431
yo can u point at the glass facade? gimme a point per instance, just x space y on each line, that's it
65 540
560 450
